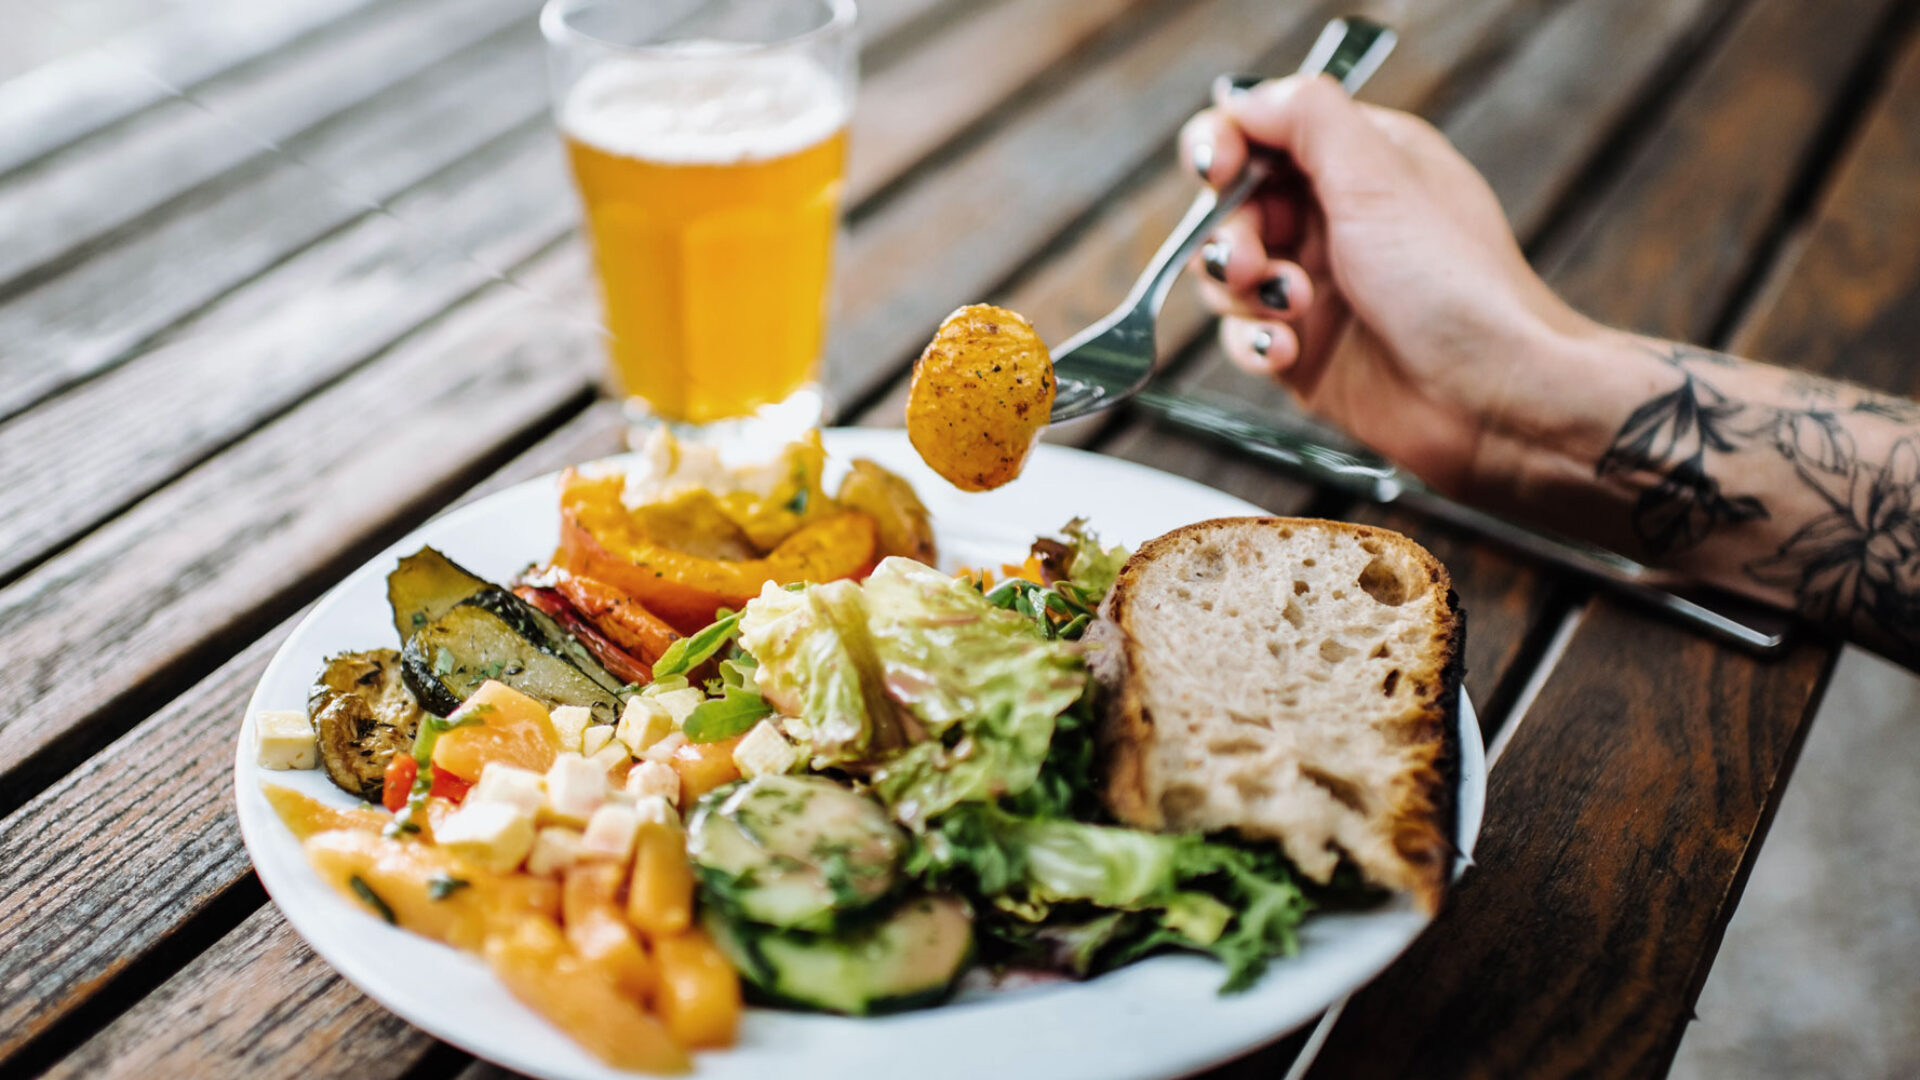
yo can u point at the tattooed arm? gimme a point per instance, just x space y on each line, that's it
1796 490
1380 282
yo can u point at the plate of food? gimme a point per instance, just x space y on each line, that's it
816 765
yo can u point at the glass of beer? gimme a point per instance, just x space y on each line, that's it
708 142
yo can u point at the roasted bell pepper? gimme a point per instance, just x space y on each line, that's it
600 539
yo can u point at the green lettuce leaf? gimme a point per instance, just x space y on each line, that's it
913 672
1094 567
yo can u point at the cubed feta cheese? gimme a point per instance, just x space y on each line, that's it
594 738
555 848
662 751
653 778
680 703
510 784
765 751
497 835
656 810
610 833
571 723
576 786
644 722
611 756
284 740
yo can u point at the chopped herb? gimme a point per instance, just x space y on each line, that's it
401 826
798 504
443 661
365 892
690 652
419 619
725 717
491 671
442 885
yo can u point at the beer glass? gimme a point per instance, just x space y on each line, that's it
707 139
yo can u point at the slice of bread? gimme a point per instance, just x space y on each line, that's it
1287 679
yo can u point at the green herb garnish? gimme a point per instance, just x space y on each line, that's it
690 652
442 885
724 717
365 892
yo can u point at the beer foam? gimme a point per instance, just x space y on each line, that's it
704 104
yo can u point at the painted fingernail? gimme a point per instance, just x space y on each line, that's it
1203 160
1262 341
1273 293
1235 85
1214 258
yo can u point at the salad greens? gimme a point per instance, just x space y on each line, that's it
968 713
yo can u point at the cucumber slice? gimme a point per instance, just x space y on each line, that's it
794 851
907 960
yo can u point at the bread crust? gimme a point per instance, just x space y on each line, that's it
1423 819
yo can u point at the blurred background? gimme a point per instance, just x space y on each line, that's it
206 184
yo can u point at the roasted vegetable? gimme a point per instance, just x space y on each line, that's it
427 585
980 397
619 663
363 715
899 517
601 539
448 659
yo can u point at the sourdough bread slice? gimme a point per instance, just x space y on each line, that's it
1287 679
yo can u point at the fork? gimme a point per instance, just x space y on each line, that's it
1110 361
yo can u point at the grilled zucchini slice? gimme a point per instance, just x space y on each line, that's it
448 659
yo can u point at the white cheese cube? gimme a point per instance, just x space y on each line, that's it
611 756
497 835
610 833
765 752
655 810
653 778
576 787
284 739
644 722
662 751
594 738
680 703
555 848
509 784
571 722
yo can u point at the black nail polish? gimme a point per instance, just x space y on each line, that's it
1214 258
1273 293
1262 341
1235 85
1203 160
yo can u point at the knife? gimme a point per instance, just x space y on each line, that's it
1330 459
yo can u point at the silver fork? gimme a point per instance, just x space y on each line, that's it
1111 360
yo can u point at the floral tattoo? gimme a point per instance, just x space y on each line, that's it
1856 563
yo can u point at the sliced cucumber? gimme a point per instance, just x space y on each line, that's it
448 659
795 851
906 960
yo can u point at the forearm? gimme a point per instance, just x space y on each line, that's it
1795 490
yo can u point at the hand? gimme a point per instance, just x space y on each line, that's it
1376 277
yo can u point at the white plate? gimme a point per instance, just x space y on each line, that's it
1161 1017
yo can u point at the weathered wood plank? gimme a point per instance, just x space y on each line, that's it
258 1003
129 848
257 350
74 195
97 62
1520 135
86 318
1634 795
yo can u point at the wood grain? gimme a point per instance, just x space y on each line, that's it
1635 793
303 322
104 64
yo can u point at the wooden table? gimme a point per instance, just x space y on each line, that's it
227 377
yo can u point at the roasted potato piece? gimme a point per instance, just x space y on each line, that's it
980 396
363 714
899 517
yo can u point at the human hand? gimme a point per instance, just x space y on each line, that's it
1376 276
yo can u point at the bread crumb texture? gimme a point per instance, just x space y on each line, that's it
1292 680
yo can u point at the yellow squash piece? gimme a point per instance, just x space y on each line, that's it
980 397
425 889
532 958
